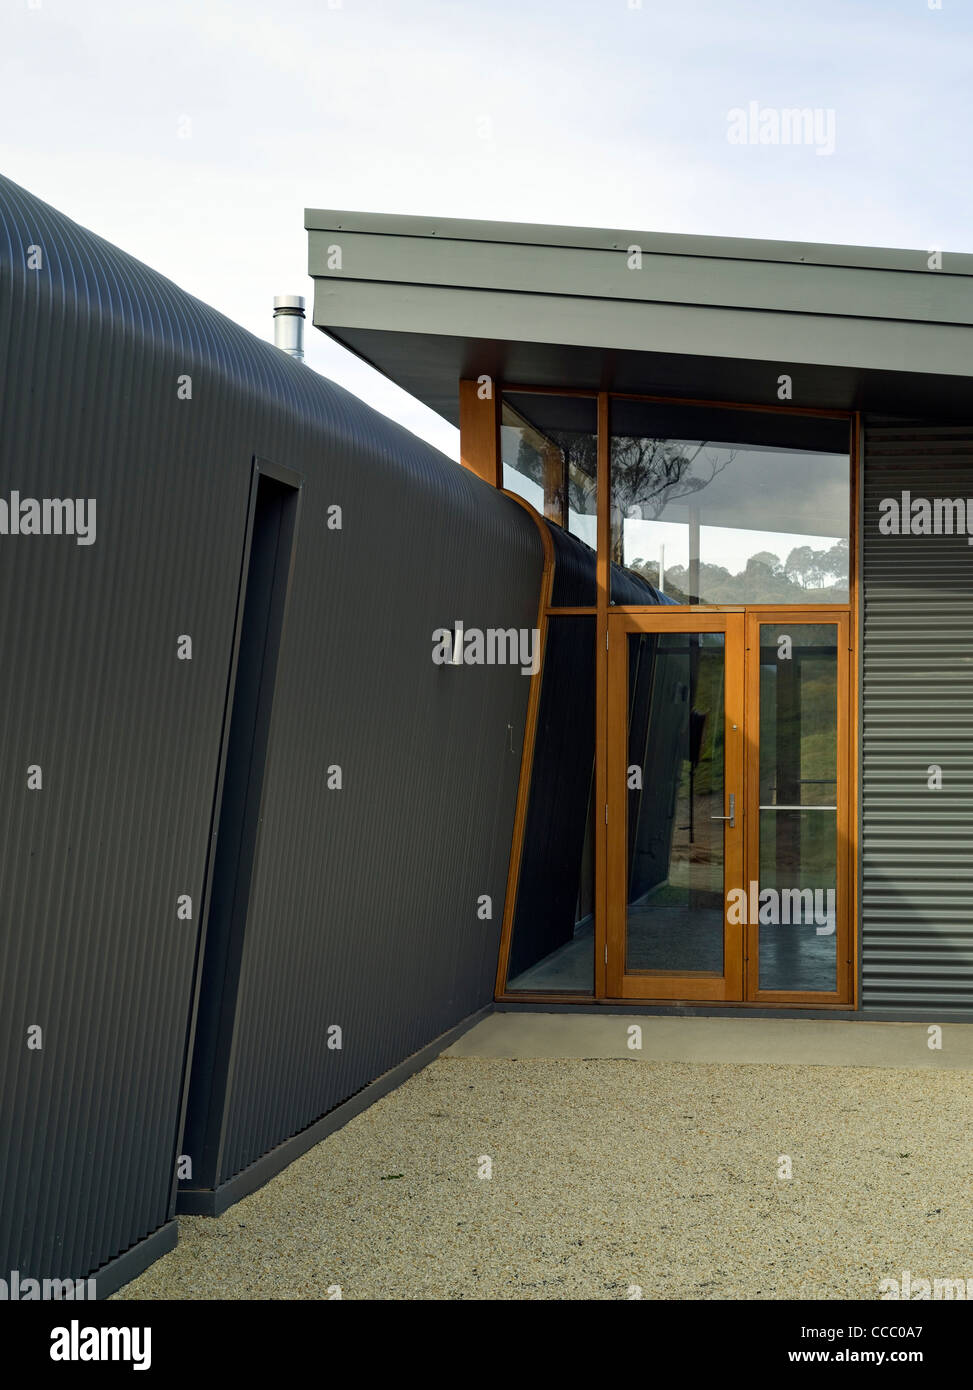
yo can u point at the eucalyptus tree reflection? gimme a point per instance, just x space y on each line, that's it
577 463
708 533
807 575
648 474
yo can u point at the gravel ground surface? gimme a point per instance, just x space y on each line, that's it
607 1174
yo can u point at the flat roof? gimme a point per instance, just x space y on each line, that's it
428 300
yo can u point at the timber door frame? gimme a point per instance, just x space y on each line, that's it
672 985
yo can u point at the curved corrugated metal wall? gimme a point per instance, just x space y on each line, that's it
363 907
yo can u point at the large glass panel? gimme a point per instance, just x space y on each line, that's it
549 448
798 815
730 506
675 899
552 948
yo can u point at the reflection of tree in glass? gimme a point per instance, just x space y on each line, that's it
529 461
579 451
649 473
821 575
812 568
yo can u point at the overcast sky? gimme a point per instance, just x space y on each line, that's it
193 133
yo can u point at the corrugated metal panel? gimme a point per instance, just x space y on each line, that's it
363 911
917 843
362 897
364 903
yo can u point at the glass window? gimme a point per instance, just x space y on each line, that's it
552 948
730 506
549 446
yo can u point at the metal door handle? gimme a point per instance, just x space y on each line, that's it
733 812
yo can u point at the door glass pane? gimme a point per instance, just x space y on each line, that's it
798 817
675 902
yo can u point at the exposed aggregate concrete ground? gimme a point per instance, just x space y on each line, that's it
607 1174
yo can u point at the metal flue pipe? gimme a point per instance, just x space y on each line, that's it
289 324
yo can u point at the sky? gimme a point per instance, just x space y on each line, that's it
193 133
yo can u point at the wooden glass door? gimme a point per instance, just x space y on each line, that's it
675 805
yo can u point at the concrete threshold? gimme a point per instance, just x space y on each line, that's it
774 1041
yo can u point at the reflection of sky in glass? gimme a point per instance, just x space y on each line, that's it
718 545
753 500
749 500
583 526
524 487
795 492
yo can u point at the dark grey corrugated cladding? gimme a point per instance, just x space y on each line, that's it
376 886
917 712
91 349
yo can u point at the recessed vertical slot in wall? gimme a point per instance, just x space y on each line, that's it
268 558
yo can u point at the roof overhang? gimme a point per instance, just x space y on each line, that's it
428 301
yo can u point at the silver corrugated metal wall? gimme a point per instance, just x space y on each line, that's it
917 714
363 908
